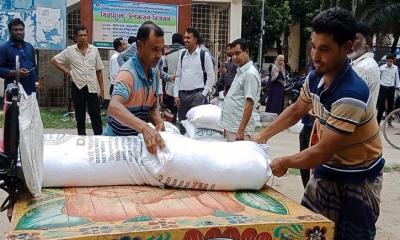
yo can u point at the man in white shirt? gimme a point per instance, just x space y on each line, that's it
389 82
236 117
194 77
85 69
363 62
119 46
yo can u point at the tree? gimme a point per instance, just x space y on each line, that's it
277 17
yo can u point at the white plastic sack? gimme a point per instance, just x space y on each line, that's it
188 163
297 127
169 127
201 133
31 142
205 116
71 160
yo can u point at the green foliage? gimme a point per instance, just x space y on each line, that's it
277 18
57 118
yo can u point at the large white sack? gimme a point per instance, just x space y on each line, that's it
205 116
194 164
201 133
31 142
71 160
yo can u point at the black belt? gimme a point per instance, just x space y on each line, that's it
192 91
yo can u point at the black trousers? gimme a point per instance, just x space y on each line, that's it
81 99
385 94
111 89
169 102
304 139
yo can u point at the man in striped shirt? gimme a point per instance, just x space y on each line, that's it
347 159
134 101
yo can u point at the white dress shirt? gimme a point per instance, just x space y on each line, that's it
114 67
83 67
390 76
189 74
368 70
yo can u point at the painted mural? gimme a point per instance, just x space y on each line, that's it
148 213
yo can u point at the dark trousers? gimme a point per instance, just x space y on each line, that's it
189 100
81 99
169 102
304 139
385 94
111 89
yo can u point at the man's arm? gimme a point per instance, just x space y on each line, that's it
210 74
290 116
248 110
178 81
59 60
118 111
99 74
128 53
397 80
311 157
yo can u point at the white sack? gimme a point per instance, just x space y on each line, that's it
31 142
71 160
188 163
169 127
201 133
205 116
297 127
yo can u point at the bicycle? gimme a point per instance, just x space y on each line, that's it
391 128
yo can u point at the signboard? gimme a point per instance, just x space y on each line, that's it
114 19
45 21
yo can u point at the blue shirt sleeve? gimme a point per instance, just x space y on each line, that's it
4 71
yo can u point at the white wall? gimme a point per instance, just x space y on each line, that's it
235 30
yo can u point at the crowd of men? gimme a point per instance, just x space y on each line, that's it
341 93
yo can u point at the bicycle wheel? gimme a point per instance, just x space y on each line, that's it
391 128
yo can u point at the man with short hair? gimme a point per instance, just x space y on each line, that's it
85 69
236 117
192 83
231 70
363 62
389 83
134 101
170 62
16 46
347 159
119 46
131 40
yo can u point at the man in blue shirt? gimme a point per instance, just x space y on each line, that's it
28 71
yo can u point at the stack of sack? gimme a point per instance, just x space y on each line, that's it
203 122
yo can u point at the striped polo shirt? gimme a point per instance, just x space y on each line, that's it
344 108
139 93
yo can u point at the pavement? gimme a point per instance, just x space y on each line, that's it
286 143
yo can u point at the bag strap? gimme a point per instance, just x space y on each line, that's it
202 59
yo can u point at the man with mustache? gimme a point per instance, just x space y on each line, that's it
28 71
362 60
347 159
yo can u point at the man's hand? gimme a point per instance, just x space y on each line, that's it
256 137
23 72
172 78
177 101
278 167
152 139
101 96
239 135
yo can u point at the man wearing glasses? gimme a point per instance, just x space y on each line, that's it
28 71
